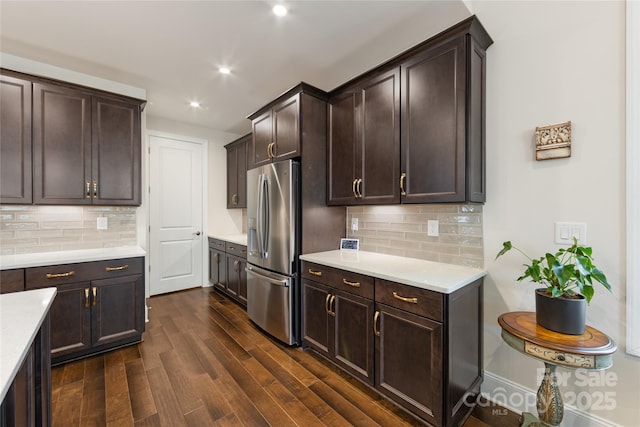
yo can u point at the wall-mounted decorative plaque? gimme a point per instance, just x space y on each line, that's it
553 142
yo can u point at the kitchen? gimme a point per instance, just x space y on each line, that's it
526 37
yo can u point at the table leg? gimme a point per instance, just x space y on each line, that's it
548 402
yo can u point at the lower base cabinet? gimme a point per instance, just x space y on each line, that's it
99 305
419 348
227 269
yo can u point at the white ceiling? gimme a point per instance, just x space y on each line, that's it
174 48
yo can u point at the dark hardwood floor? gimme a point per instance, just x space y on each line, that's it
203 363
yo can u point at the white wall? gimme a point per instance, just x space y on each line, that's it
220 219
552 62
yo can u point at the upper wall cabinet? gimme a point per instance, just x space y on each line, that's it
276 127
237 172
441 154
86 148
364 141
15 140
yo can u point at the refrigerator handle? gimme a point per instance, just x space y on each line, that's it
260 216
263 219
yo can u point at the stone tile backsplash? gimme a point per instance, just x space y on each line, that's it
402 230
33 229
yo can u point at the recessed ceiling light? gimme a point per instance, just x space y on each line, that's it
194 104
224 70
279 10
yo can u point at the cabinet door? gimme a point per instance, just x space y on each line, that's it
71 319
409 361
380 139
214 268
117 308
116 149
237 174
262 130
433 124
353 334
286 134
220 270
15 140
342 147
242 281
61 146
315 317
232 178
233 275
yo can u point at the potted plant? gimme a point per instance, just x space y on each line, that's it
568 277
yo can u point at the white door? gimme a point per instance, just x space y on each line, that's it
175 199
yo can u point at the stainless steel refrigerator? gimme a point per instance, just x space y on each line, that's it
273 245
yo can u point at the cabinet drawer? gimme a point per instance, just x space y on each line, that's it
216 244
235 249
56 275
422 302
347 281
11 281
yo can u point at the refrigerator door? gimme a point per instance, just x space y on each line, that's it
272 202
270 298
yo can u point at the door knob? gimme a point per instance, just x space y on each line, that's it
196 234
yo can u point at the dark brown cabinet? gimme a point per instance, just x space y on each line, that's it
86 148
276 134
337 310
364 141
99 305
11 280
412 130
421 349
237 172
15 140
227 264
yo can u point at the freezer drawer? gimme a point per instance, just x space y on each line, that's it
270 303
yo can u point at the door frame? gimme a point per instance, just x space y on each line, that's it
204 143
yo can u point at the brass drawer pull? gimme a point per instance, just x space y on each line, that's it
359 188
243 251
95 296
403 178
353 188
231 248
122 267
376 331
332 309
315 273
59 275
88 189
86 297
95 189
405 299
326 304
354 284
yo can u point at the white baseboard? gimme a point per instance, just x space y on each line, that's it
520 399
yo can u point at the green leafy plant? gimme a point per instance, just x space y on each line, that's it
566 273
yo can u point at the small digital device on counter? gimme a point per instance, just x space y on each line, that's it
349 244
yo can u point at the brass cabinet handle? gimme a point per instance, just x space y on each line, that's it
332 310
231 248
273 150
122 267
243 251
315 273
353 188
376 331
95 189
403 178
359 188
235 265
58 275
88 189
354 284
86 297
95 295
221 244
216 256
405 299
326 304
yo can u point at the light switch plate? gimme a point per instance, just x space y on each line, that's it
433 228
566 231
354 224
102 223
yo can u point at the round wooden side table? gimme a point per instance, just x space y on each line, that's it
591 350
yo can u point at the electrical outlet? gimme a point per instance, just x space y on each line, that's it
566 231
433 228
354 224
102 223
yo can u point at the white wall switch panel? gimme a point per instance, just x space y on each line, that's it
566 231
102 223
354 224
433 228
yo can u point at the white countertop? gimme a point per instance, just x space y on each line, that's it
435 276
238 239
65 257
21 315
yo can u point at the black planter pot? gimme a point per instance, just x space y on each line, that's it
564 315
